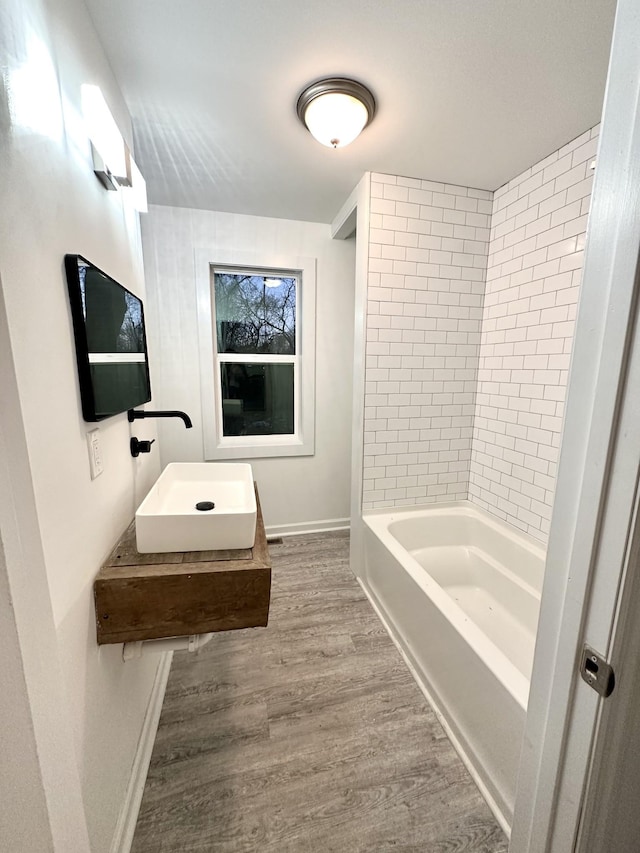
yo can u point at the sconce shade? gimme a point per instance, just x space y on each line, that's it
103 131
336 110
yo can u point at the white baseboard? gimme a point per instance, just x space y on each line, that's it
123 836
299 528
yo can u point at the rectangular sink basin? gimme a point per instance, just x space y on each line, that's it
168 519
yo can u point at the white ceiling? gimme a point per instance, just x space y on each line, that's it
469 92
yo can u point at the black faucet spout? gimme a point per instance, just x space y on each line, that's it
139 414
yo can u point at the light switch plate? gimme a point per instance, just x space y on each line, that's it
95 453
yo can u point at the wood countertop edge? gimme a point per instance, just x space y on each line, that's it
140 635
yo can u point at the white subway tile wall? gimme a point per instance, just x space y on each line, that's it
428 249
471 306
533 278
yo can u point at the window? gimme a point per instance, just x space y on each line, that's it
256 351
257 359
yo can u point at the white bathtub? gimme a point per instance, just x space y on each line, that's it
459 591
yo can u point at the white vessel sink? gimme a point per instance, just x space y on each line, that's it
168 519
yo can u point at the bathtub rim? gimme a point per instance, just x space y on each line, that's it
506 672
532 544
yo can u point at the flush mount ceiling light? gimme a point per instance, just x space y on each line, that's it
336 110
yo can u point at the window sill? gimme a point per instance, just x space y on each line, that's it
269 446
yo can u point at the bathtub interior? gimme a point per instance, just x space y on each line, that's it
463 525
495 599
493 576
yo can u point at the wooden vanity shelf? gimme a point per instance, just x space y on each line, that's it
147 596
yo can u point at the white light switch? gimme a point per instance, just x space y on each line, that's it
95 453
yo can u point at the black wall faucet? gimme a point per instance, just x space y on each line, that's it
134 415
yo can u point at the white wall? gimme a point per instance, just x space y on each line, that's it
538 229
297 492
50 204
41 804
428 246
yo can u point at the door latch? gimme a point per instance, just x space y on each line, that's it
598 674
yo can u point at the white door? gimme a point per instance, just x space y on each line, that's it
560 802
610 815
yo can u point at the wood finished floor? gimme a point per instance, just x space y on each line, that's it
309 735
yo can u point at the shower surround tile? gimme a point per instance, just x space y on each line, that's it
471 305
533 281
428 249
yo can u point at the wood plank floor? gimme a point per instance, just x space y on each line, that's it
309 735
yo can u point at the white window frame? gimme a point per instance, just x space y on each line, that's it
302 441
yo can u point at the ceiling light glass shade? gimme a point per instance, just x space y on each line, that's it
336 110
336 120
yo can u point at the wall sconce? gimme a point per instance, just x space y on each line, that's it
107 144
112 160
336 110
